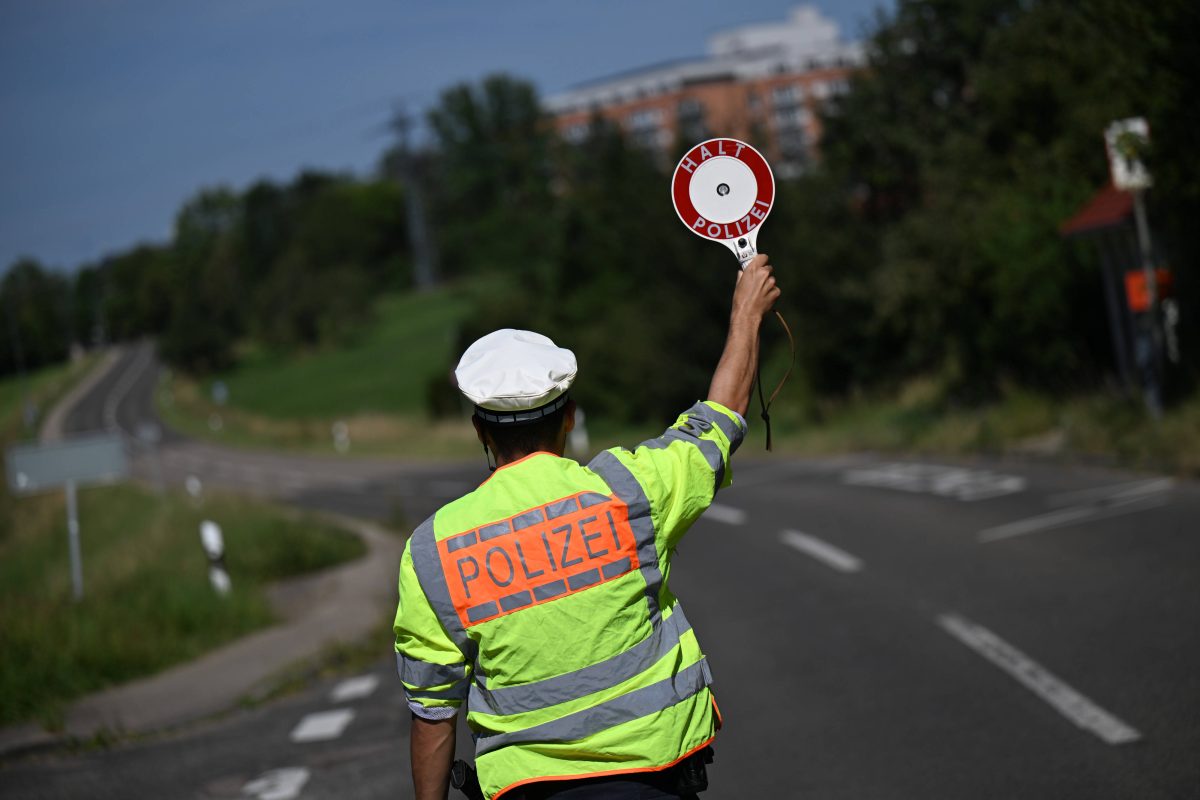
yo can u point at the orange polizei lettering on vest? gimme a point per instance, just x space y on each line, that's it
550 557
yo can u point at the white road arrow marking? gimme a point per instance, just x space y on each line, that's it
354 688
967 485
322 725
277 784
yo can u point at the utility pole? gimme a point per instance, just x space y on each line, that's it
1146 250
424 256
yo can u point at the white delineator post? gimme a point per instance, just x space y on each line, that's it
73 542
214 548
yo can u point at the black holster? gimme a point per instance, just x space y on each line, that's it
464 778
692 772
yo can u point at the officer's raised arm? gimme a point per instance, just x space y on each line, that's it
753 297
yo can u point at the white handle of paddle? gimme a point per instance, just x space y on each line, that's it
744 248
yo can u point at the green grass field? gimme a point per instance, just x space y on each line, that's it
386 370
147 602
378 386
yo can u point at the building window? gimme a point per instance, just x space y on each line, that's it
645 118
793 148
785 95
690 120
645 127
793 117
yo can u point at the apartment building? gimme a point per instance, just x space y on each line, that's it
762 83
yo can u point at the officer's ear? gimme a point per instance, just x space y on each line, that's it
569 417
479 430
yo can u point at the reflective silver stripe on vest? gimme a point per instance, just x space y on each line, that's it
621 480
626 708
732 430
428 567
458 693
424 673
582 682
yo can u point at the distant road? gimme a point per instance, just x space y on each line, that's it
878 628
124 401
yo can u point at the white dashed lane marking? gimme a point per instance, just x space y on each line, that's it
277 784
1065 700
322 725
354 688
727 514
822 551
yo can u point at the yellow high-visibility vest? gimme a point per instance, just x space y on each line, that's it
541 601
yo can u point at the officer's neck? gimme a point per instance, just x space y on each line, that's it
512 458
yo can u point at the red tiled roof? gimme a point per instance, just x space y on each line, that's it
1107 208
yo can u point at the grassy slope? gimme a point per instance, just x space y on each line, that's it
378 385
45 386
1094 427
147 602
386 370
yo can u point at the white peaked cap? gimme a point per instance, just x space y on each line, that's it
512 371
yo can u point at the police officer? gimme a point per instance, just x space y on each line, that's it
540 599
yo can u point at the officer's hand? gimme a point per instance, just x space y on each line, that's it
756 292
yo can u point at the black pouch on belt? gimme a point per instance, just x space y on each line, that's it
692 773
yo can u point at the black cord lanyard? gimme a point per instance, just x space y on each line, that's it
765 405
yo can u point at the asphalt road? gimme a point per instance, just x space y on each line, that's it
877 629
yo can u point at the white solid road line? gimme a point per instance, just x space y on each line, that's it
1068 702
1121 491
354 688
322 725
727 514
1069 516
824 552
277 784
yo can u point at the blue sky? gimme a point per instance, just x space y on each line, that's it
115 111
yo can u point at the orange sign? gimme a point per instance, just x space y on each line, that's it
1137 293
536 556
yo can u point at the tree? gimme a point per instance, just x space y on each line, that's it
35 303
972 134
136 291
206 296
492 196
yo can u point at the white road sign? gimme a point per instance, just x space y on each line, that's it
1126 141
